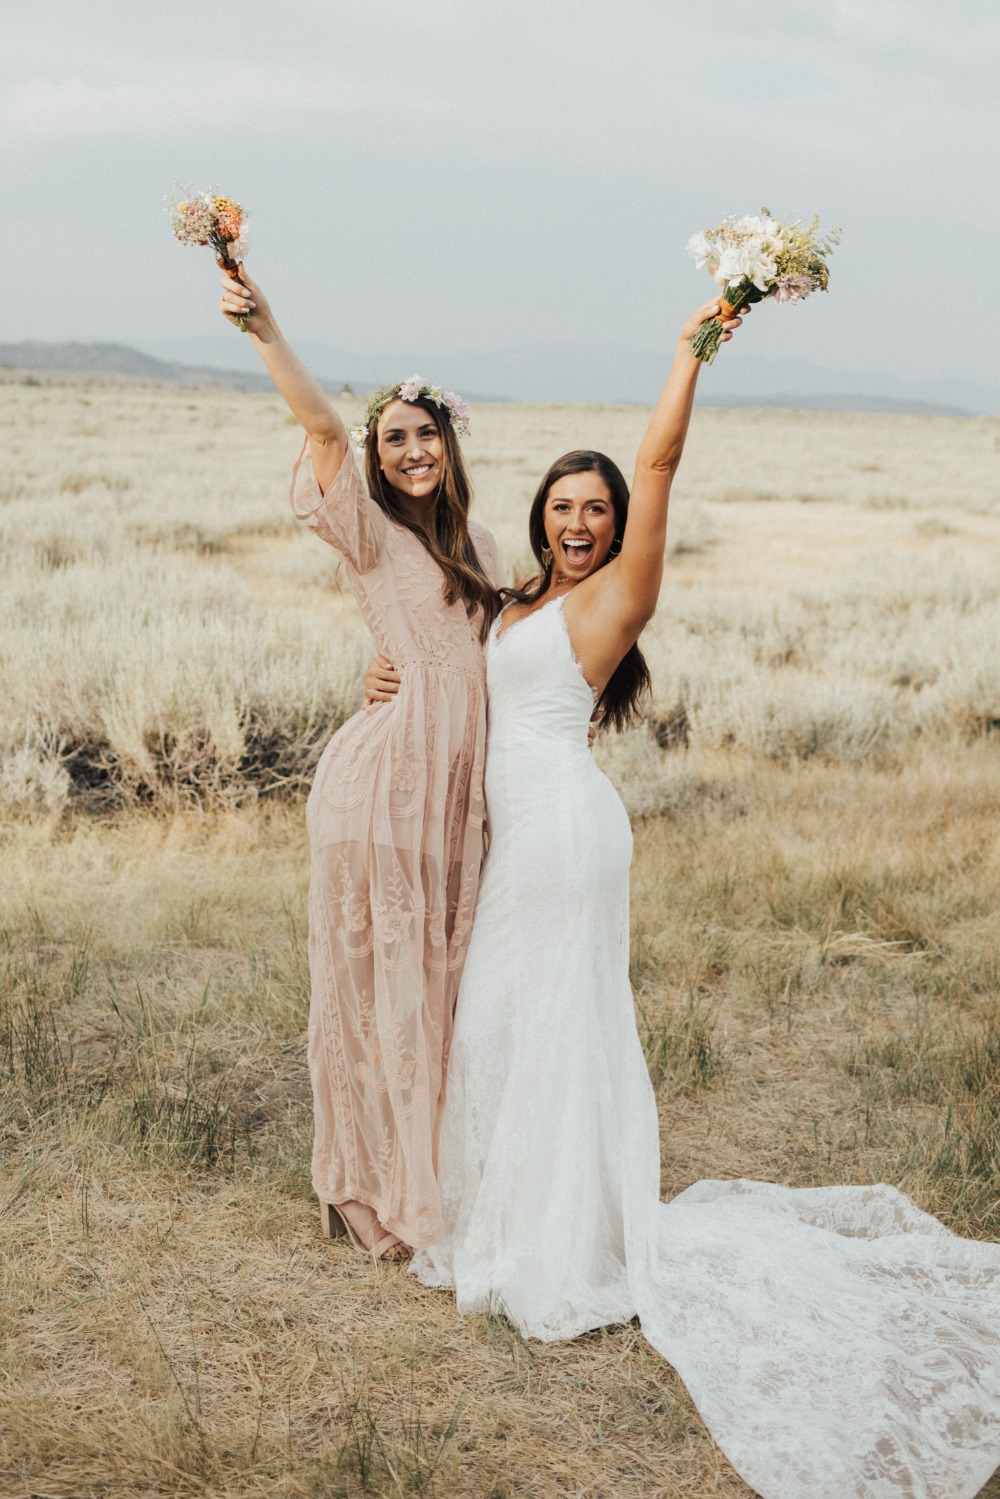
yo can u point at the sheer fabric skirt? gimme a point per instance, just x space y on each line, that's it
395 820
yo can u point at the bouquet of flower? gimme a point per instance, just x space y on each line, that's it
755 257
205 219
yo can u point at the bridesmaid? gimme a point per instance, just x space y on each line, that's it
396 811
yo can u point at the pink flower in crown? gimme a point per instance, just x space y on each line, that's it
460 412
409 389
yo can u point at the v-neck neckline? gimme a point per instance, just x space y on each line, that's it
501 634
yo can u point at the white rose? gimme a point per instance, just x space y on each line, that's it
731 265
703 251
762 272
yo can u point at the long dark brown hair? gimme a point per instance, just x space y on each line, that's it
620 700
447 539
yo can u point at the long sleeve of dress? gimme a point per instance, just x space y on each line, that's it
345 516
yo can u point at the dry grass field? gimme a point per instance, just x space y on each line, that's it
816 944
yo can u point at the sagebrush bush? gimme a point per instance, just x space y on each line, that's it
171 635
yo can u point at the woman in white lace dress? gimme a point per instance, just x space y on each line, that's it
838 1342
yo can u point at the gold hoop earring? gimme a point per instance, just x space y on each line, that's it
615 547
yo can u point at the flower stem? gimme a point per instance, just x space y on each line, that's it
705 343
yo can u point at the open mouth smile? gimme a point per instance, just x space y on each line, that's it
577 549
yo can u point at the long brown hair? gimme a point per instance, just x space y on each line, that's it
448 539
630 680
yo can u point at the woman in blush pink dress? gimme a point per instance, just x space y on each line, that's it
396 811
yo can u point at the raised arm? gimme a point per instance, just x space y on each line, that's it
302 393
607 612
640 565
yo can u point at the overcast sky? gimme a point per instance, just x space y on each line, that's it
461 175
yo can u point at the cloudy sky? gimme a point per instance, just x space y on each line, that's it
457 175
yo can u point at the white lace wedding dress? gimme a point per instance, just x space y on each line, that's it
837 1341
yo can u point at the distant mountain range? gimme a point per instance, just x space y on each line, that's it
551 373
615 373
120 360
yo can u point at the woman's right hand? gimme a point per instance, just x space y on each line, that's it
710 310
381 681
243 298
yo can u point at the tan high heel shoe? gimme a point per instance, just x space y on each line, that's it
333 1225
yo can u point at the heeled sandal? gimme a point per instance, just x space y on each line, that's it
333 1225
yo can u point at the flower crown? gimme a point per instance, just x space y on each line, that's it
408 390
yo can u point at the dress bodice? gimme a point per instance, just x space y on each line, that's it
393 576
538 695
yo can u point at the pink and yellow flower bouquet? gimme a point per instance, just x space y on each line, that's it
208 219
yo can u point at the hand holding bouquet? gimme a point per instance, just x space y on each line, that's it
205 219
755 257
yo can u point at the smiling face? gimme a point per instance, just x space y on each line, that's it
579 520
411 453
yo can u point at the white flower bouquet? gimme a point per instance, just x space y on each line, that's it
755 257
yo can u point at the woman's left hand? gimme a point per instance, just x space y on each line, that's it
713 309
242 297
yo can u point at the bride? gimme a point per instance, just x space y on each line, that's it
838 1342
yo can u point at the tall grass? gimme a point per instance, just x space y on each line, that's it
816 968
173 638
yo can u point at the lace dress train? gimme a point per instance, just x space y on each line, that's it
838 1342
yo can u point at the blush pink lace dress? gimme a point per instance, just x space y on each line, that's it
396 819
